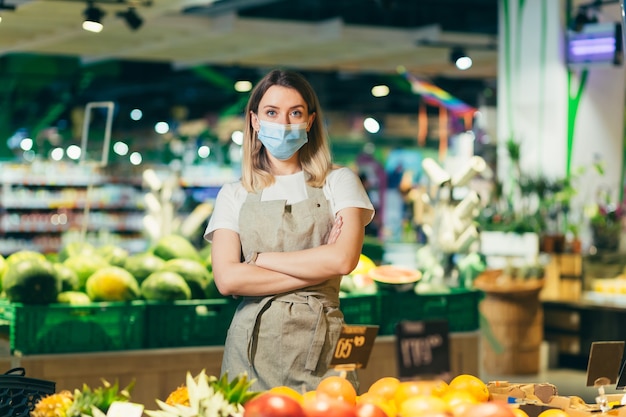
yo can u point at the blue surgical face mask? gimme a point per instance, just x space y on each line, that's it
282 140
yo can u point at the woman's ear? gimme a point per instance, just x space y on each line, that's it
311 119
254 119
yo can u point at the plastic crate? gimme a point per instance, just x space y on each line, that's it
459 307
63 328
188 323
360 308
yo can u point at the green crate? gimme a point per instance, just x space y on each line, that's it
459 307
63 328
360 308
188 322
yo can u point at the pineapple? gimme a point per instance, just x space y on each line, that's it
53 405
178 396
207 397
87 400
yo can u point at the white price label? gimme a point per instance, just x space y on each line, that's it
125 409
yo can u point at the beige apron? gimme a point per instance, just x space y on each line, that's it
285 339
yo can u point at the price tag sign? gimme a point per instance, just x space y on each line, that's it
423 348
605 359
354 346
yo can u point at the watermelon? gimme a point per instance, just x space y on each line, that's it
114 255
3 266
165 286
25 254
75 298
143 264
85 266
193 272
31 281
175 246
68 277
205 255
112 283
75 249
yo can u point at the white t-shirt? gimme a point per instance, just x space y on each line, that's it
342 189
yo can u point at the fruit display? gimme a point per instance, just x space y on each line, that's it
109 273
82 402
464 395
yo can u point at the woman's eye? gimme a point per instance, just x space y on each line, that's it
271 113
296 113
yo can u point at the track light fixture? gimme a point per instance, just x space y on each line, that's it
6 6
133 20
459 58
93 18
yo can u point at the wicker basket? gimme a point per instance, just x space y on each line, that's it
19 394
512 325
496 283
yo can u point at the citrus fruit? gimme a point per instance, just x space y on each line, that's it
519 412
554 412
309 396
471 384
338 388
385 387
458 401
407 389
288 391
421 405
388 406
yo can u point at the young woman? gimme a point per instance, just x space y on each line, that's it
282 238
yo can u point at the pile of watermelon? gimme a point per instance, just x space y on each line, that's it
171 269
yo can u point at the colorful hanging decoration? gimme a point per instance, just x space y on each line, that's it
437 97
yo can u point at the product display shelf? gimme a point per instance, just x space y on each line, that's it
41 202
98 326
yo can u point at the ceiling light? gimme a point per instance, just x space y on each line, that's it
460 59
93 18
133 20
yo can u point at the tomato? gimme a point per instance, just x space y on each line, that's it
270 404
370 410
324 406
489 409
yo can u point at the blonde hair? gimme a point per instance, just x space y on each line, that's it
314 156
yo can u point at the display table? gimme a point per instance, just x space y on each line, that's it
574 325
157 372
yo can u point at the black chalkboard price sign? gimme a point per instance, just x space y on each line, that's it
354 347
423 348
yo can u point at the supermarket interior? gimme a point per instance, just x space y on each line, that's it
488 136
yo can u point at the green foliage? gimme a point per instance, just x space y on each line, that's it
236 391
101 398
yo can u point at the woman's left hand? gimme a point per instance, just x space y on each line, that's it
335 231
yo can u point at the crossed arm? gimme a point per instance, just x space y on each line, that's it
277 272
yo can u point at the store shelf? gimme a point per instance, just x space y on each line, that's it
42 202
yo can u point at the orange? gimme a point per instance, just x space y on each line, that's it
471 384
385 387
422 405
309 396
288 391
459 401
407 389
388 406
519 412
337 387
554 412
